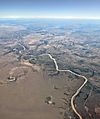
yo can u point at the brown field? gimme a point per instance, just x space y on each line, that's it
25 98
31 88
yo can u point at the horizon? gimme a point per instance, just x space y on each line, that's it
60 9
50 17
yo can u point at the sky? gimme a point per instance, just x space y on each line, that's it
50 9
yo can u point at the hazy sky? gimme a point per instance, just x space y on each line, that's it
50 8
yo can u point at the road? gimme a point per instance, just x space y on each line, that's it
22 46
78 90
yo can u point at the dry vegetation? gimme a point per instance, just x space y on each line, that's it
39 91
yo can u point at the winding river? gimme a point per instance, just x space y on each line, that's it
78 90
